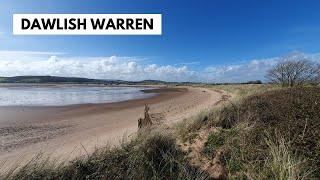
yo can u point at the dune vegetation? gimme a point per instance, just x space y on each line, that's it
149 156
266 135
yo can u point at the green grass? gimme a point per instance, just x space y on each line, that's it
214 142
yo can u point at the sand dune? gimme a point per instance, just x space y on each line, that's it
69 131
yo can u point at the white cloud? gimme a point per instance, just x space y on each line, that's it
248 71
14 63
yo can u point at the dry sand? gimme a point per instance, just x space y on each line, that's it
69 131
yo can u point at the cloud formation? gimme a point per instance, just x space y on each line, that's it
15 63
247 71
124 68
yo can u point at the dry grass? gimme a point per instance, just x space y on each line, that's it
248 127
294 113
241 91
188 128
149 156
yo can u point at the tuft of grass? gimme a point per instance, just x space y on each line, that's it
281 163
214 142
188 129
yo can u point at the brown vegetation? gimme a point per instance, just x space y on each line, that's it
145 122
149 156
270 135
294 114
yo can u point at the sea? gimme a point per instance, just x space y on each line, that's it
67 95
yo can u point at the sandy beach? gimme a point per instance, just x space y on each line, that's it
66 132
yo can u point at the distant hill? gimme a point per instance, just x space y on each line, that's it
47 79
147 82
77 80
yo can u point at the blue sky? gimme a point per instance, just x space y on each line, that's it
199 36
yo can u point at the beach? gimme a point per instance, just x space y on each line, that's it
66 132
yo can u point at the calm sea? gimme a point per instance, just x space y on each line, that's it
67 95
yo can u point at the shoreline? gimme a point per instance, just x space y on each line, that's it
78 84
86 109
157 91
64 132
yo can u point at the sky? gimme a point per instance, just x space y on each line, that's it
202 40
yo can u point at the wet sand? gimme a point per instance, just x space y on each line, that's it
69 131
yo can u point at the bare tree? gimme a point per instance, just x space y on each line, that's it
294 69
317 78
